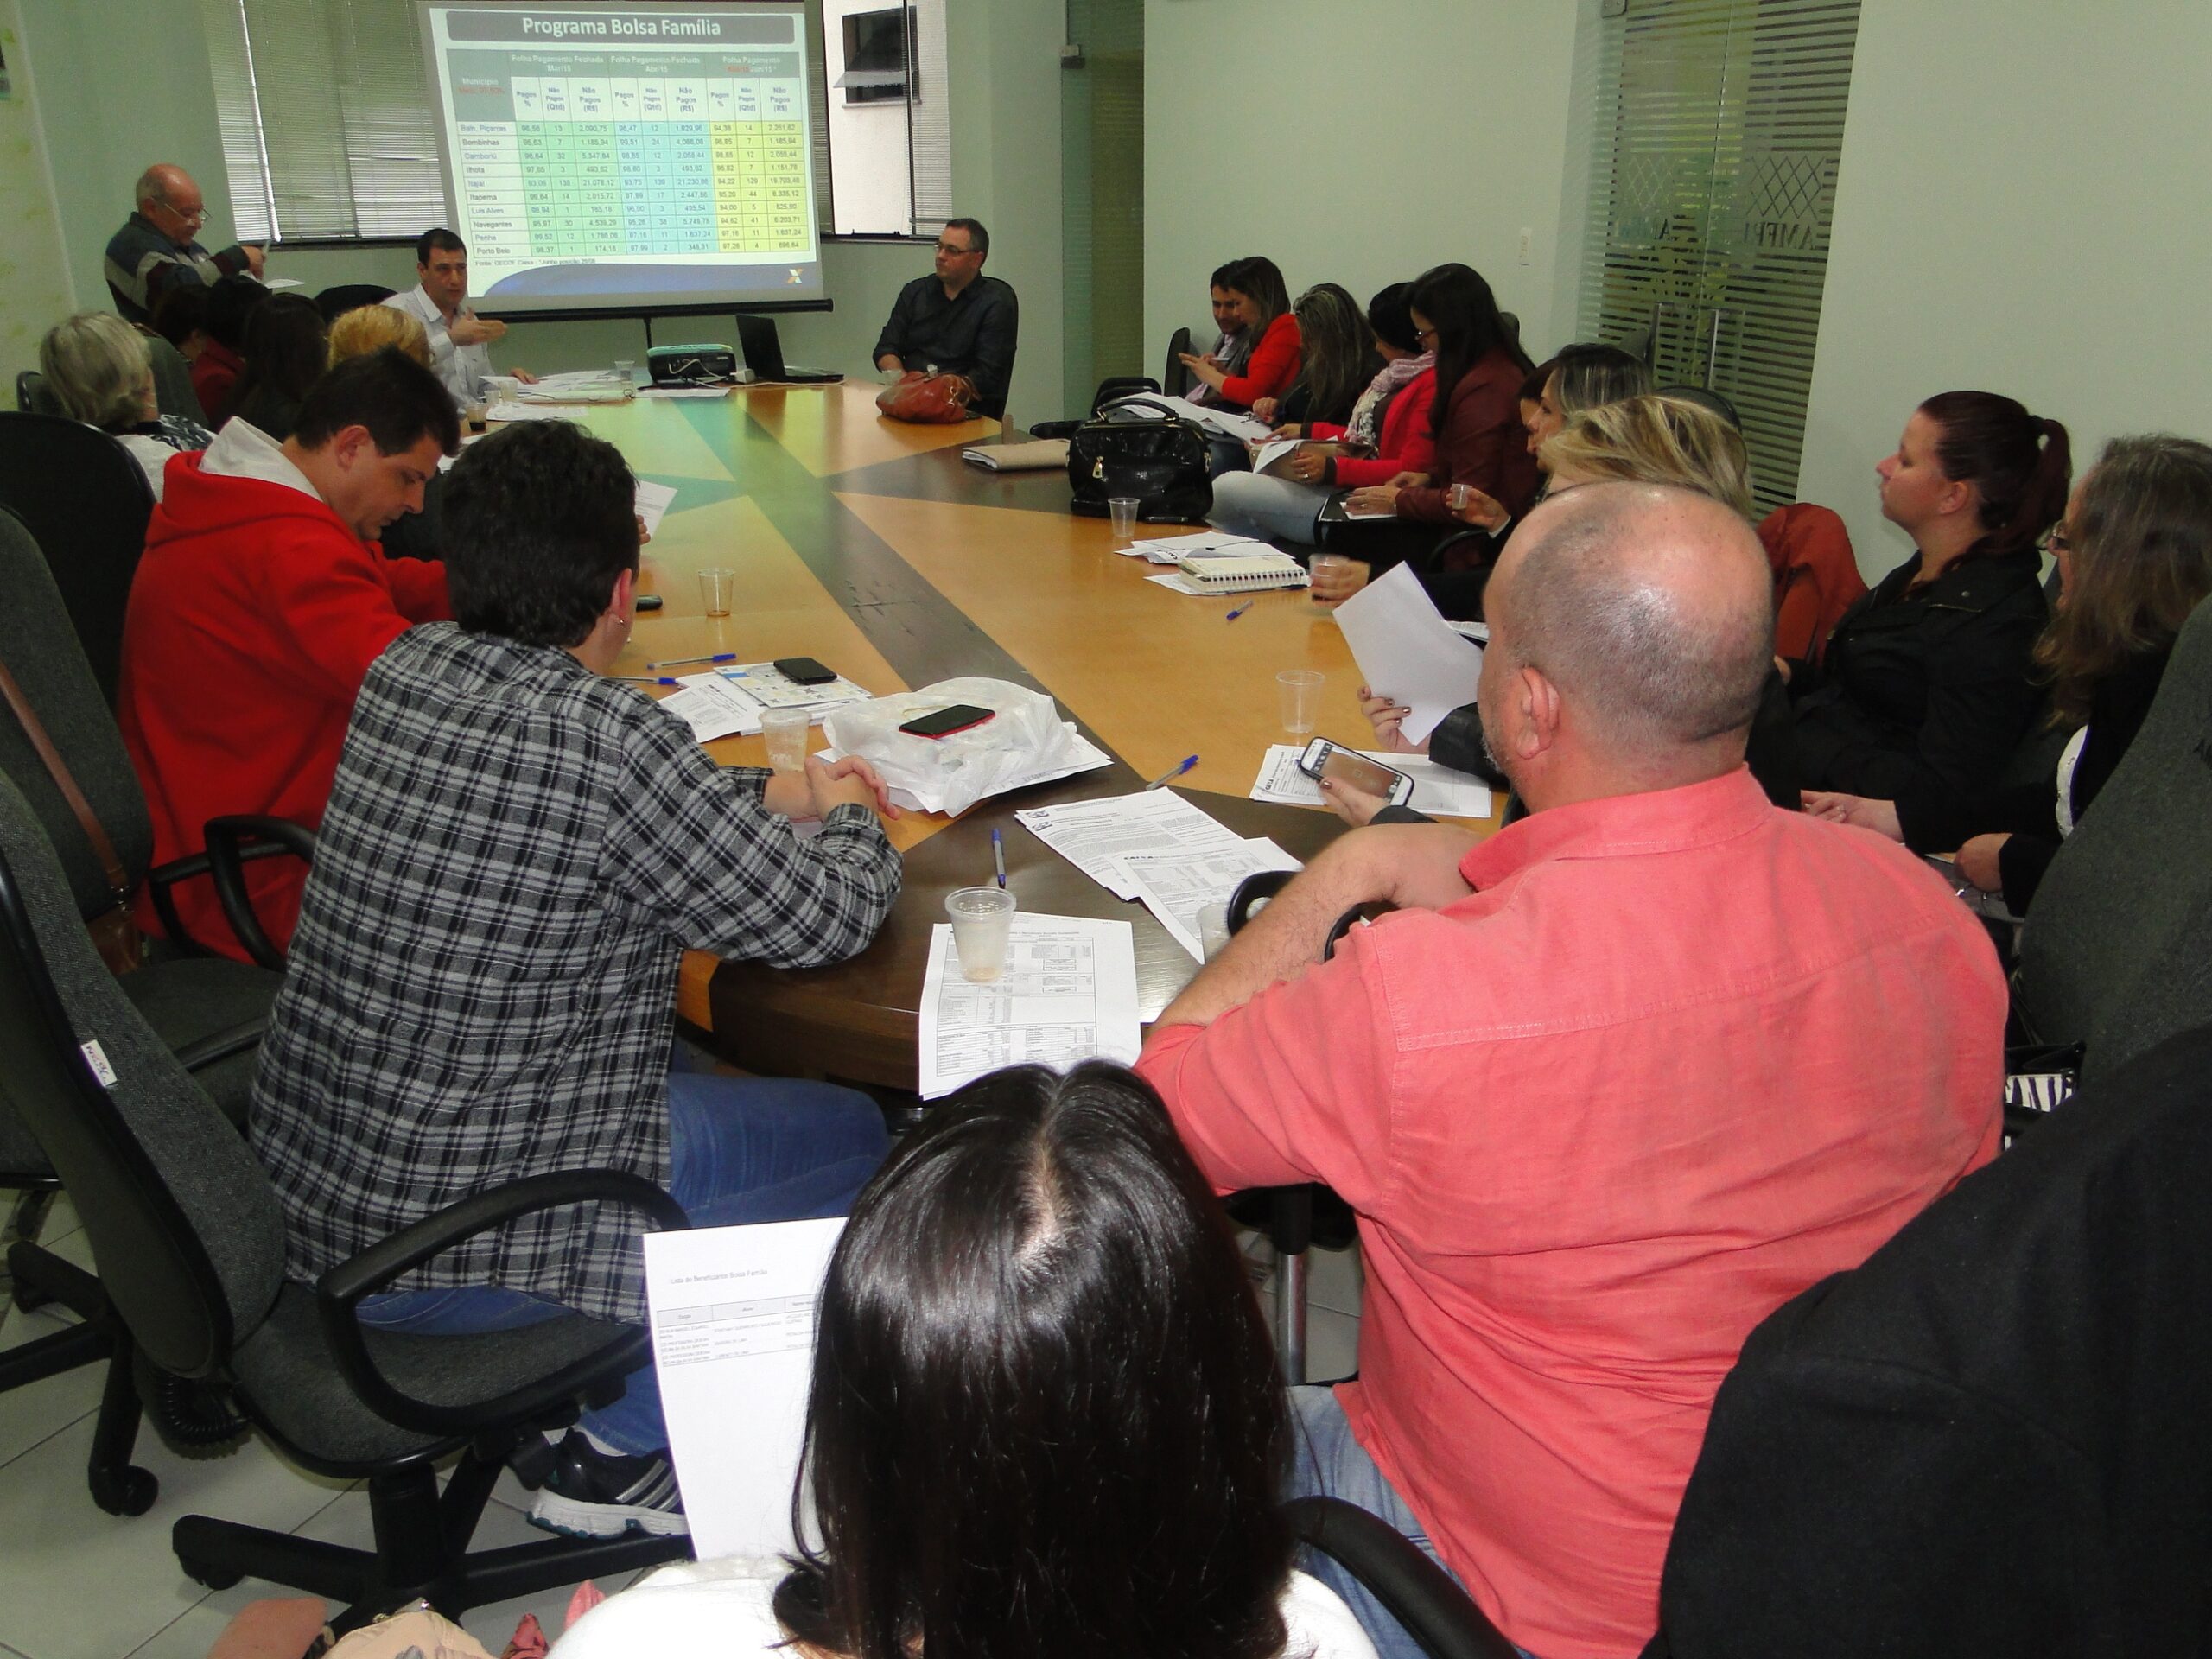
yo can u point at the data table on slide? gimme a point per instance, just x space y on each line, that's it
565 155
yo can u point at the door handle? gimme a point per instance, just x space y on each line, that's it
1713 347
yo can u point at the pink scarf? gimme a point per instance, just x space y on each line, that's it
1360 431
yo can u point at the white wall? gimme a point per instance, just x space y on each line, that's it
2021 208
1357 143
34 284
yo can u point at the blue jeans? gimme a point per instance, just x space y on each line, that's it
1332 1463
1272 509
740 1150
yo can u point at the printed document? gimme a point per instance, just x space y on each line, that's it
1406 650
1176 886
652 504
1207 545
1096 836
1214 420
1438 790
732 1320
1068 993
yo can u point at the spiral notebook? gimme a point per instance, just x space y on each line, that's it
1244 570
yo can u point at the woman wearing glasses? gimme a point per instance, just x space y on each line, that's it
2134 555
1924 690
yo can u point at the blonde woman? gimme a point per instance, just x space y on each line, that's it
372 328
96 366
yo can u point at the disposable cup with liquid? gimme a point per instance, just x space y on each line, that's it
785 732
1300 692
983 919
1318 566
1213 929
1123 508
717 585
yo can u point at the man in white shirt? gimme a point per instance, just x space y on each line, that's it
459 339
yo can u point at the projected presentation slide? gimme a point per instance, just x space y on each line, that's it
627 157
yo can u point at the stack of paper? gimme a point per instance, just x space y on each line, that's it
579 387
1214 420
1205 544
1437 790
1176 886
505 410
1096 836
1068 993
728 702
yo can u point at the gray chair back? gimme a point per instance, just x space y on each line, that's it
2116 953
335 302
34 395
173 392
86 502
38 647
184 1222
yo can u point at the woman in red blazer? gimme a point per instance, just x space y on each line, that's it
1262 308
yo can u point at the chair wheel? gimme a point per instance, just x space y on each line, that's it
131 1492
215 1578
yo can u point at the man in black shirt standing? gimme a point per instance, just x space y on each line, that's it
957 321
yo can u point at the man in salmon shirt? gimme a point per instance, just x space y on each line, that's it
1605 1090
260 603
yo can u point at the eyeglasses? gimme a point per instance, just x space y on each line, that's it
1424 335
947 247
2055 542
197 216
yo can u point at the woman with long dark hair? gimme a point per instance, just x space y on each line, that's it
1046 1418
286 348
2134 554
1925 687
1336 363
1259 303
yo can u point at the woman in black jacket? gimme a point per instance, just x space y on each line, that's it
2134 557
1924 690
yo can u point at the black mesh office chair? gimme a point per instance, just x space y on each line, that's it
186 1226
1174 378
333 302
87 501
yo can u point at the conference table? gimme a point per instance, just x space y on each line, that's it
872 546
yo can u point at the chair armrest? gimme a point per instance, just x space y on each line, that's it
1420 1595
339 1292
231 842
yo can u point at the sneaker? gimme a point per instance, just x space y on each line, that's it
594 1494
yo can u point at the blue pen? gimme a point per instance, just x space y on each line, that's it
1239 611
647 679
1173 772
998 855
679 661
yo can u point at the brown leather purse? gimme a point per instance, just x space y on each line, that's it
927 399
115 932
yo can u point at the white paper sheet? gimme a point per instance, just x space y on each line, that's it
653 501
1355 514
279 283
1068 993
1406 650
765 686
505 410
1437 790
1175 886
733 1321
1214 420
1265 456
1206 544
712 707
1096 836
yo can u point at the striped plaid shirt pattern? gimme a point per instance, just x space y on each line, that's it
516 854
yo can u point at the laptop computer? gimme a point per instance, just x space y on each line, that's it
764 354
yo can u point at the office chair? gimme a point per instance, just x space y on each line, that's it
87 501
173 392
190 1240
2113 955
1175 380
1437 1613
335 302
32 397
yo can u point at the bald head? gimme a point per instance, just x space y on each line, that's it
169 199
165 182
1649 608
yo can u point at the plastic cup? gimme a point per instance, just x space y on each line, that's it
503 386
474 413
1459 497
786 731
717 585
1213 928
1124 511
626 371
982 918
1301 689
1315 567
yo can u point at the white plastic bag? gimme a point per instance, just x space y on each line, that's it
951 773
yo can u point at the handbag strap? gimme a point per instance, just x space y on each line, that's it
65 781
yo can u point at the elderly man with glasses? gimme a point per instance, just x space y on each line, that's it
956 321
157 249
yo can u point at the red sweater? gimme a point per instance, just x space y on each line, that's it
215 374
1483 443
254 614
1816 577
1272 366
1405 445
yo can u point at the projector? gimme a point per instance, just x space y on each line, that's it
693 365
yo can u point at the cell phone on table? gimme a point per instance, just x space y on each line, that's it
945 722
1323 759
649 602
804 670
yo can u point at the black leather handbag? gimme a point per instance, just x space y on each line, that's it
1150 452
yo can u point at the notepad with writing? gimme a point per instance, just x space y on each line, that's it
1229 574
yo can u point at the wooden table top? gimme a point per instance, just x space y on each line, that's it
872 546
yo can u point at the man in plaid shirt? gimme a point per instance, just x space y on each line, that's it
517 853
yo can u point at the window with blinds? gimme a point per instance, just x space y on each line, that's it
888 127
329 127
1719 128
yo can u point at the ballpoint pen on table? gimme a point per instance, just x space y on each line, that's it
679 661
998 855
1238 612
647 679
1173 771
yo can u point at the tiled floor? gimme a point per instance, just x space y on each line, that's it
79 1584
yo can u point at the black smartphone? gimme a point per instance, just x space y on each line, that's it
649 602
804 670
1323 759
945 722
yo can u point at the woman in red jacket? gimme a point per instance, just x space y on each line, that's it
1261 305
1389 434
1475 425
